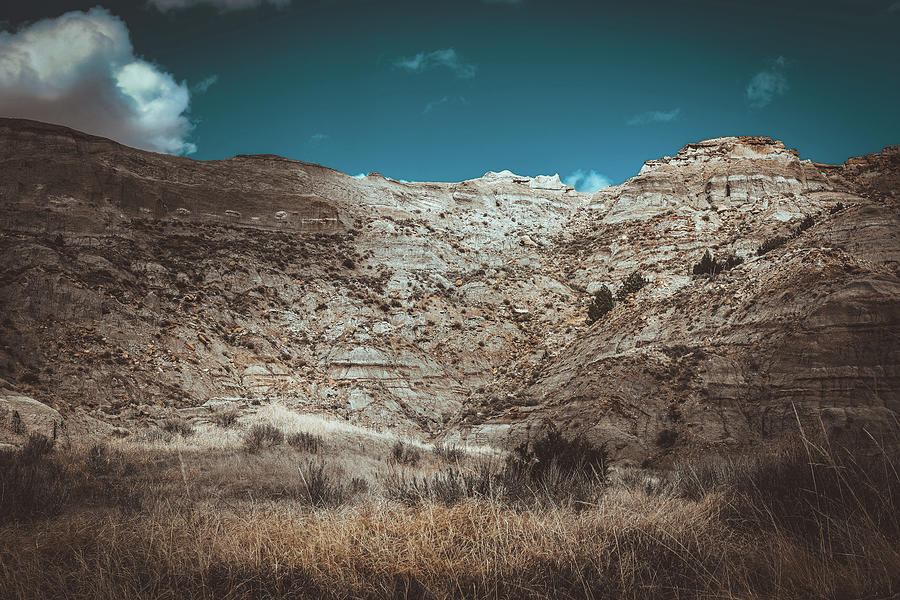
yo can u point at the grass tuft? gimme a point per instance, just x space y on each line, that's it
178 426
305 441
320 488
450 453
403 453
261 435
225 418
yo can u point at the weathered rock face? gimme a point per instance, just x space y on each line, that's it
805 333
745 174
134 284
383 301
874 175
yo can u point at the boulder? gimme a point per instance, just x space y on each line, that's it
21 416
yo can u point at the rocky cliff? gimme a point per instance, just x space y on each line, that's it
135 285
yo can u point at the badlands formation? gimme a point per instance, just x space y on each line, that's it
136 286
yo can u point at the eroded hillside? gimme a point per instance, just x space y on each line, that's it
134 285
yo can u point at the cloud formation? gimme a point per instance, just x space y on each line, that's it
79 70
445 100
587 182
318 138
767 84
223 5
446 58
654 116
202 86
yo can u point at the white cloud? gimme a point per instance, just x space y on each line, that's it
318 138
447 58
767 84
445 100
223 5
79 70
588 182
654 116
202 86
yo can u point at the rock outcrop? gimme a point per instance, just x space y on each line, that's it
135 284
805 334
21 416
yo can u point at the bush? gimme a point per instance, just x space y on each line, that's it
404 454
772 243
603 303
181 426
549 471
805 224
631 285
321 489
36 482
225 418
450 486
262 435
780 240
707 265
306 441
575 457
16 425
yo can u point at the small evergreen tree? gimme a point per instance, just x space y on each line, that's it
602 304
707 265
772 243
632 284
805 224
780 240
710 266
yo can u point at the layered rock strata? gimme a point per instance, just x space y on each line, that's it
135 285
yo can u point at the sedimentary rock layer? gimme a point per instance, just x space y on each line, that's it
135 285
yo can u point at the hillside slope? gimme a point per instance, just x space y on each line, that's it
135 285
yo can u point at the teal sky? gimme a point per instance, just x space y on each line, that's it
535 86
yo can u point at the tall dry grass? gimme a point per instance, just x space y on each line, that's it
628 546
810 520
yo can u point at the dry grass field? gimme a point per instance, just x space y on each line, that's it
280 505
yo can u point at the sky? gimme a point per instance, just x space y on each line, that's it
433 90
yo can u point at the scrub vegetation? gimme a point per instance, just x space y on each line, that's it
322 509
